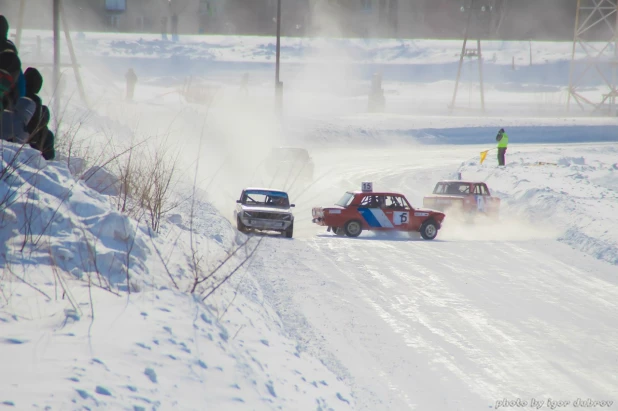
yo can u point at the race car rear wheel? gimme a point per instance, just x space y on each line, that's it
429 230
353 228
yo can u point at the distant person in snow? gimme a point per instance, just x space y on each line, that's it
131 78
503 141
164 28
174 27
244 82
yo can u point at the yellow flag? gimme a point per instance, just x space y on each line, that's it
483 155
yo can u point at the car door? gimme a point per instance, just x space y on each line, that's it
491 203
397 210
484 202
371 210
479 198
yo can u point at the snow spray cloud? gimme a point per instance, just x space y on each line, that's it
330 70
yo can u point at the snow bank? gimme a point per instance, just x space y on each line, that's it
49 218
574 190
74 338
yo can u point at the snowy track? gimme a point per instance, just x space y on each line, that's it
458 323
452 325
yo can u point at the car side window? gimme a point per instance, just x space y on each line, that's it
480 189
395 202
403 202
372 201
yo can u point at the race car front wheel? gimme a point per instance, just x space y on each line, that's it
240 226
338 231
353 228
289 233
429 230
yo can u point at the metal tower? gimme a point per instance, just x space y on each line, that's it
596 34
482 27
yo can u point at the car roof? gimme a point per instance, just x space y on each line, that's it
460 181
264 189
377 193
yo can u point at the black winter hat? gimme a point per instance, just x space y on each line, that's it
10 63
4 28
501 130
34 81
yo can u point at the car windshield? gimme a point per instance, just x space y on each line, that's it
452 188
345 200
265 198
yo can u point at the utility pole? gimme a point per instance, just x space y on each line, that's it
278 83
20 23
78 77
56 25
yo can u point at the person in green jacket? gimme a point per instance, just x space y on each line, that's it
503 141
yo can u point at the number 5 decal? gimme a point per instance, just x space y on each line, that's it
401 217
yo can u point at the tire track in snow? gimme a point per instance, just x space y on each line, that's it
508 350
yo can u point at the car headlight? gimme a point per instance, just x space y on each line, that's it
246 214
288 217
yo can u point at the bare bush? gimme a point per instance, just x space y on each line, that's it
146 182
156 196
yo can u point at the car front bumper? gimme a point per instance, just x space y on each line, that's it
264 224
318 221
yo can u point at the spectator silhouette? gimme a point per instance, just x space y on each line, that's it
16 112
34 83
19 88
45 139
41 138
10 67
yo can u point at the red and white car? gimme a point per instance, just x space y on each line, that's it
377 211
465 198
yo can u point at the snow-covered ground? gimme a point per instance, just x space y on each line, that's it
521 309
74 338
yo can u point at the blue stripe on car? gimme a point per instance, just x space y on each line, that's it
369 217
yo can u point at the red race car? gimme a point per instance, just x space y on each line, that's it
376 211
463 198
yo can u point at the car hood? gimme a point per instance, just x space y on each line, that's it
266 209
